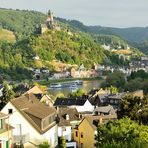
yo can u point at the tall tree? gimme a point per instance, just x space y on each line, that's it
122 133
8 94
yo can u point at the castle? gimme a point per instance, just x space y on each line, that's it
49 24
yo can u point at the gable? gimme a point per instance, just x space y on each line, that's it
84 125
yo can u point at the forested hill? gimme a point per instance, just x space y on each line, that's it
24 22
21 22
135 36
71 45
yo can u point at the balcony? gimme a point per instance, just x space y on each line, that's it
21 139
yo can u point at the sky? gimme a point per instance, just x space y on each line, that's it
111 13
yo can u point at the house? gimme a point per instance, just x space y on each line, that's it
85 133
115 99
82 105
45 70
64 74
68 118
35 90
98 97
5 132
40 95
104 110
33 121
47 100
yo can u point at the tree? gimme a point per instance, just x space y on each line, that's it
62 142
129 107
135 108
116 79
138 74
134 84
8 94
78 93
121 133
112 89
44 145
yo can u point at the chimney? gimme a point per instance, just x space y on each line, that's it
100 120
67 117
57 108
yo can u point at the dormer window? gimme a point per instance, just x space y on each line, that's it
67 117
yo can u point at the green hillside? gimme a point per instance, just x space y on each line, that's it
70 45
21 22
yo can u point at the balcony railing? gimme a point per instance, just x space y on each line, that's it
21 138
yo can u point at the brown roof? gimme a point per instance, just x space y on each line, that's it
35 90
40 110
2 115
73 116
33 110
95 120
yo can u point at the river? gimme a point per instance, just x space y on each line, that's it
87 86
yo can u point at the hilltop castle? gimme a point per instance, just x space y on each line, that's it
49 23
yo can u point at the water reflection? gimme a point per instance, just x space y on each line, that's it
87 86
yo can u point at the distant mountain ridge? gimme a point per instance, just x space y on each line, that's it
10 19
132 34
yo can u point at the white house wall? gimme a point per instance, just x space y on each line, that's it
87 107
26 128
66 133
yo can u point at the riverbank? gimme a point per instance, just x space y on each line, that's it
48 82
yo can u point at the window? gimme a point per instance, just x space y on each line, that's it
116 101
81 134
45 123
76 133
1 123
10 111
63 128
111 101
51 119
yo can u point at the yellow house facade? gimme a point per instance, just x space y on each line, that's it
85 133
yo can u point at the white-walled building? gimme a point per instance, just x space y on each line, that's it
33 121
81 105
68 118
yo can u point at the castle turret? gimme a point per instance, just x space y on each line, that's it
50 21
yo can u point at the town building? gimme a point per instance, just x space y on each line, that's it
33 121
82 105
85 133
68 118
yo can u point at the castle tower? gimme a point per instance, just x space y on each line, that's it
50 21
